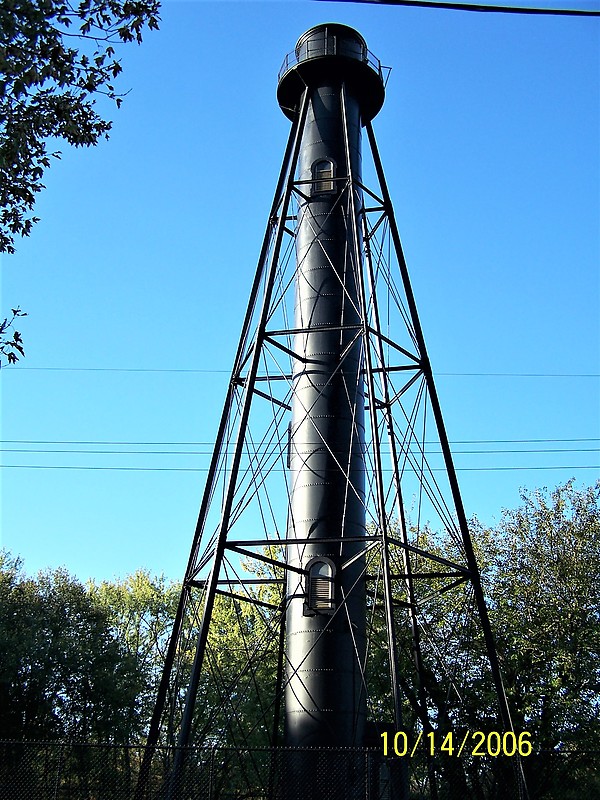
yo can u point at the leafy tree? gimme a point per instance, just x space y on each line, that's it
140 610
543 571
86 662
241 661
63 673
56 58
48 88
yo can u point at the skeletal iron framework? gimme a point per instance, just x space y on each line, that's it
228 675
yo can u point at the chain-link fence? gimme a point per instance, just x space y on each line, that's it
67 771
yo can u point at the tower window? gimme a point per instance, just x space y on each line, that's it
323 174
320 587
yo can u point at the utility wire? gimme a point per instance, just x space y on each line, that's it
119 369
228 372
564 12
202 469
256 451
77 445
211 443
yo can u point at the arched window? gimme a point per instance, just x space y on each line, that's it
323 173
320 587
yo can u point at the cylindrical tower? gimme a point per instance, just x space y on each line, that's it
325 702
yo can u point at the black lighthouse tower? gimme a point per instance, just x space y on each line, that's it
331 614
325 701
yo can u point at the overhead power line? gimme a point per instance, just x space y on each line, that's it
563 12
228 372
77 448
256 451
205 469
102 443
119 369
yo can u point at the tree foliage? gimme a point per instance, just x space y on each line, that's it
56 58
11 346
546 608
543 571
85 661
63 672
140 610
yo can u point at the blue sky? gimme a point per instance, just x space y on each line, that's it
136 279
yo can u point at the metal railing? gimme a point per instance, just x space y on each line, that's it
329 47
